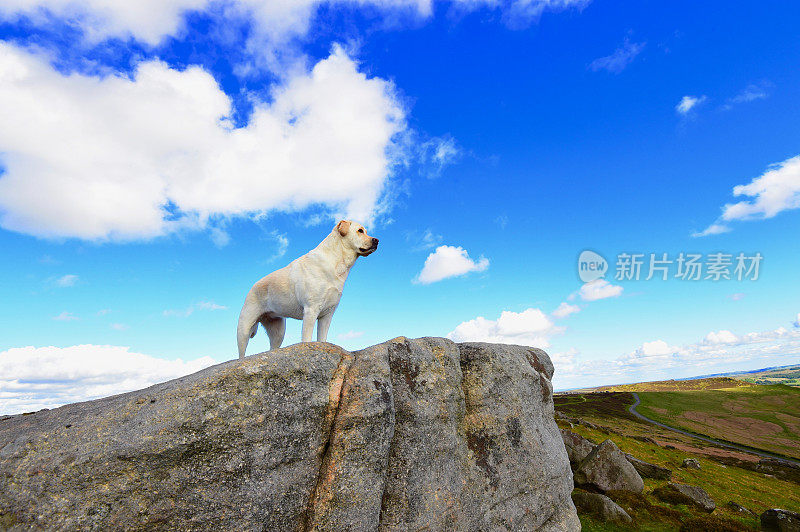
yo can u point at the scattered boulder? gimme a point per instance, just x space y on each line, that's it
648 470
674 493
606 468
600 506
690 463
739 509
780 520
403 435
577 446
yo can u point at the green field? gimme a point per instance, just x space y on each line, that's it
726 475
764 417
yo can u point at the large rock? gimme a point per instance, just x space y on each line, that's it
778 520
600 506
577 446
648 470
607 468
403 435
675 493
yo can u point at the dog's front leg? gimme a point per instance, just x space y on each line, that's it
323 325
309 317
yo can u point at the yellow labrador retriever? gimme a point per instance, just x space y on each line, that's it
308 289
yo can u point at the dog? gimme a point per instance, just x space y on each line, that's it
308 289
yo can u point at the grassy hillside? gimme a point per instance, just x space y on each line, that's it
725 474
764 417
712 383
789 376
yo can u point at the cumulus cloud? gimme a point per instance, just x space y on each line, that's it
621 58
125 158
721 337
713 229
688 103
718 351
565 309
273 23
32 378
599 289
530 327
775 191
449 261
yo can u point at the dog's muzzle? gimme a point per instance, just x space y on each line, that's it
366 251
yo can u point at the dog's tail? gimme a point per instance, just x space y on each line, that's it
248 325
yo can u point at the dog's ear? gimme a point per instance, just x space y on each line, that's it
343 227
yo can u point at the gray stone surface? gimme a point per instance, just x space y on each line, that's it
600 507
690 463
675 493
777 520
648 470
577 446
402 435
607 468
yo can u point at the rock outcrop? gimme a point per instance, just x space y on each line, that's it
606 468
399 436
648 470
600 507
675 493
778 520
577 447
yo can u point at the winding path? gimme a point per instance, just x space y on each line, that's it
632 410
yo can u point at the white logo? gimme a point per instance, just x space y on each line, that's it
591 266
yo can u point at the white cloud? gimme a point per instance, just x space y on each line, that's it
283 245
774 191
136 157
65 316
599 289
530 327
721 337
219 237
621 58
718 351
119 327
32 378
713 229
449 261
565 309
750 93
688 103
274 23
67 280
188 311
797 320
427 240
350 335
737 296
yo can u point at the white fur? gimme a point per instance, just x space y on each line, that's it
308 289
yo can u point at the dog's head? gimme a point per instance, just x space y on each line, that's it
355 236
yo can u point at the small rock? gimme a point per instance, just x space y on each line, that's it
644 439
648 470
690 463
600 506
606 468
685 494
577 447
780 520
738 508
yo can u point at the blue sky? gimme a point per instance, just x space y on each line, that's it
156 159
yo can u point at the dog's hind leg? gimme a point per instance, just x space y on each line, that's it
248 325
276 329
